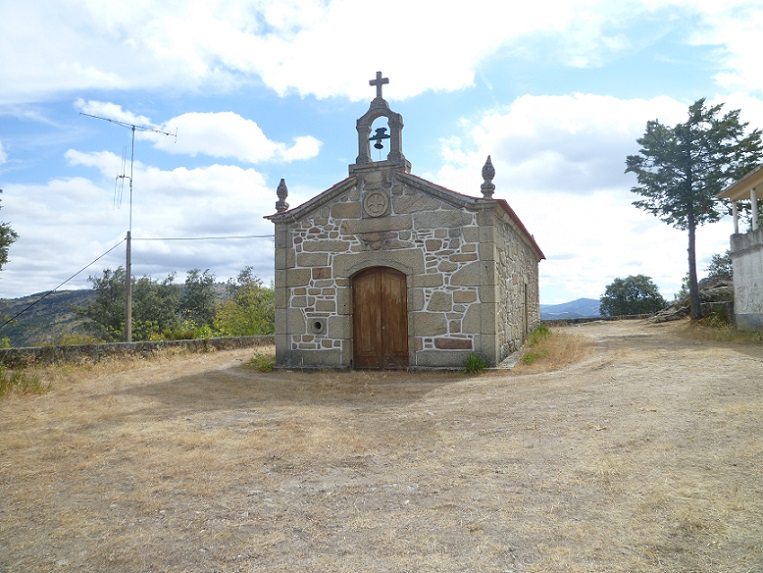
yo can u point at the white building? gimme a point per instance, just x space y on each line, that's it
747 253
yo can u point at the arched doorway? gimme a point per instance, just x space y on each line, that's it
379 319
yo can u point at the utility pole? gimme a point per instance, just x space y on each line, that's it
128 250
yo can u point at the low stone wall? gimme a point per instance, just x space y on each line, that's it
89 353
567 321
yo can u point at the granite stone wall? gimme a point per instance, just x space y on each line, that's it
448 252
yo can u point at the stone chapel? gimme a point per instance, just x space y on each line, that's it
386 270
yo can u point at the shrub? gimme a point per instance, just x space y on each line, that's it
536 337
262 362
474 364
541 332
71 339
20 382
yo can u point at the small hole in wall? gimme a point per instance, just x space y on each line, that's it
318 326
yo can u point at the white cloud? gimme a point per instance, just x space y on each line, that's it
219 135
214 201
111 111
108 163
227 134
560 164
733 29
327 48
573 143
3 154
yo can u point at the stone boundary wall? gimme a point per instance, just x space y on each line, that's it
567 321
89 353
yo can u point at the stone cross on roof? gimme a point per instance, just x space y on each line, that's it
378 82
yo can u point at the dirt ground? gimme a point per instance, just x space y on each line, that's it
644 457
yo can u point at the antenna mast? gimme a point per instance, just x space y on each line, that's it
128 251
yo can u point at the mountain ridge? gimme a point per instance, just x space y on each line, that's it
578 308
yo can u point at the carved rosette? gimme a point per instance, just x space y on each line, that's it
376 204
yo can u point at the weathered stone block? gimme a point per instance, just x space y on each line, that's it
321 273
325 306
408 261
346 211
469 275
431 280
415 203
442 219
487 252
380 225
340 327
441 358
471 234
281 297
312 259
297 277
440 302
415 299
324 357
453 343
463 258
298 301
326 245
429 323
295 321
464 296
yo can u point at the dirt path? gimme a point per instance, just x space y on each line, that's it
645 457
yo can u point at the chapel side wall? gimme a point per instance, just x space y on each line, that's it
747 259
451 290
518 309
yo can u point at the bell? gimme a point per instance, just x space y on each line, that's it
380 134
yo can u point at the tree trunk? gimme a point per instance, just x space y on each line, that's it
696 312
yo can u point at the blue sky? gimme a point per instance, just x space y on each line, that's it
556 91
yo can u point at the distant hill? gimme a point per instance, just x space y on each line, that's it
54 314
45 318
580 308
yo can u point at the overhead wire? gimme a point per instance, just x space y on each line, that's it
25 309
43 297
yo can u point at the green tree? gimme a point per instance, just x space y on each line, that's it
631 295
7 237
249 309
155 306
105 315
683 293
720 266
198 301
680 169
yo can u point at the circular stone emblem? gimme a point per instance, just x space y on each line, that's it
376 204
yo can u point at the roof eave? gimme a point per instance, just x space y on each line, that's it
741 189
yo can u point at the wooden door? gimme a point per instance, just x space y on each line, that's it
379 319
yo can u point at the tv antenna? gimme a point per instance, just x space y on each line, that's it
128 251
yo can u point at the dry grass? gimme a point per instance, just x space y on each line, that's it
643 457
561 348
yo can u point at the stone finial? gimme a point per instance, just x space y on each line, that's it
283 193
488 172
